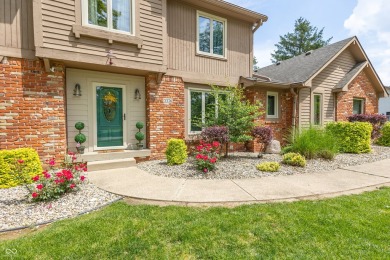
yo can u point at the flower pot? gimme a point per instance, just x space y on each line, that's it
80 149
140 146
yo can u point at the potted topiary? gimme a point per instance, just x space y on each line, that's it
139 135
80 138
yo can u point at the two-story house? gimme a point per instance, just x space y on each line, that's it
112 63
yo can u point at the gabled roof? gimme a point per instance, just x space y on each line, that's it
344 82
302 67
300 70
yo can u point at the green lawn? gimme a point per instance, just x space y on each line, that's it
352 227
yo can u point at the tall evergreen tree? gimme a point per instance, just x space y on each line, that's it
304 38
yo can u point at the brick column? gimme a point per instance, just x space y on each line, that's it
32 107
164 112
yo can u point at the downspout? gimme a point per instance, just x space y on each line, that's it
294 115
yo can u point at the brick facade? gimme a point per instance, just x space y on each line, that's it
32 107
361 87
164 112
282 125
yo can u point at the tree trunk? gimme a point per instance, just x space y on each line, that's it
227 150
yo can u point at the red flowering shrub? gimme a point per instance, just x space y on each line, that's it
53 183
207 156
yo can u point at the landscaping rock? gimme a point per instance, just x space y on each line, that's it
273 147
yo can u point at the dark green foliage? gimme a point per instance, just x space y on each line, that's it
385 135
304 38
139 125
139 136
176 152
79 126
80 138
313 142
352 137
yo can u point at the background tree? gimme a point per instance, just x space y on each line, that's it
304 38
234 111
255 62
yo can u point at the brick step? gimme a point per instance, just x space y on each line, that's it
111 164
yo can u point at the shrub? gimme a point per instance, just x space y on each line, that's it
385 135
18 166
268 166
263 134
215 133
294 159
207 156
176 152
313 143
53 183
377 121
352 137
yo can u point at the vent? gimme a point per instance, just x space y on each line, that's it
308 53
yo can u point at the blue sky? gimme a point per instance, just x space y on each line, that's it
369 20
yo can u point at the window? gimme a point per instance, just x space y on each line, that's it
201 103
272 105
211 35
358 106
317 109
114 15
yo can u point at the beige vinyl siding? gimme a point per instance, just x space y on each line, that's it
58 17
304 107
182 22
82 109
324 82
16 28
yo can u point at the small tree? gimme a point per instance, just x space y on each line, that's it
234 111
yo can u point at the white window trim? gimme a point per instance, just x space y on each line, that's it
109 18
216 18
321 108
203 91
363 104
276 95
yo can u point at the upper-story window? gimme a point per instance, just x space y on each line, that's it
116 15
211 35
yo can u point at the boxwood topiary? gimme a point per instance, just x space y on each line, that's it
8 159
294 159
79 126
80 138
176 152
139 136
139 125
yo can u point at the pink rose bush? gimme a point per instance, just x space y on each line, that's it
55 182
207 156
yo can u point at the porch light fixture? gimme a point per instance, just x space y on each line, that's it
77 90
137 94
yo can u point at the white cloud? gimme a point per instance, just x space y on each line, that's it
370 21
262 52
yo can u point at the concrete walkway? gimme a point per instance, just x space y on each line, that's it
138 184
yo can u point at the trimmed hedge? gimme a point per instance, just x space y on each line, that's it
8 160
352 137
176 152
385 135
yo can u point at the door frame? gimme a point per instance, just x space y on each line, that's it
94 109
